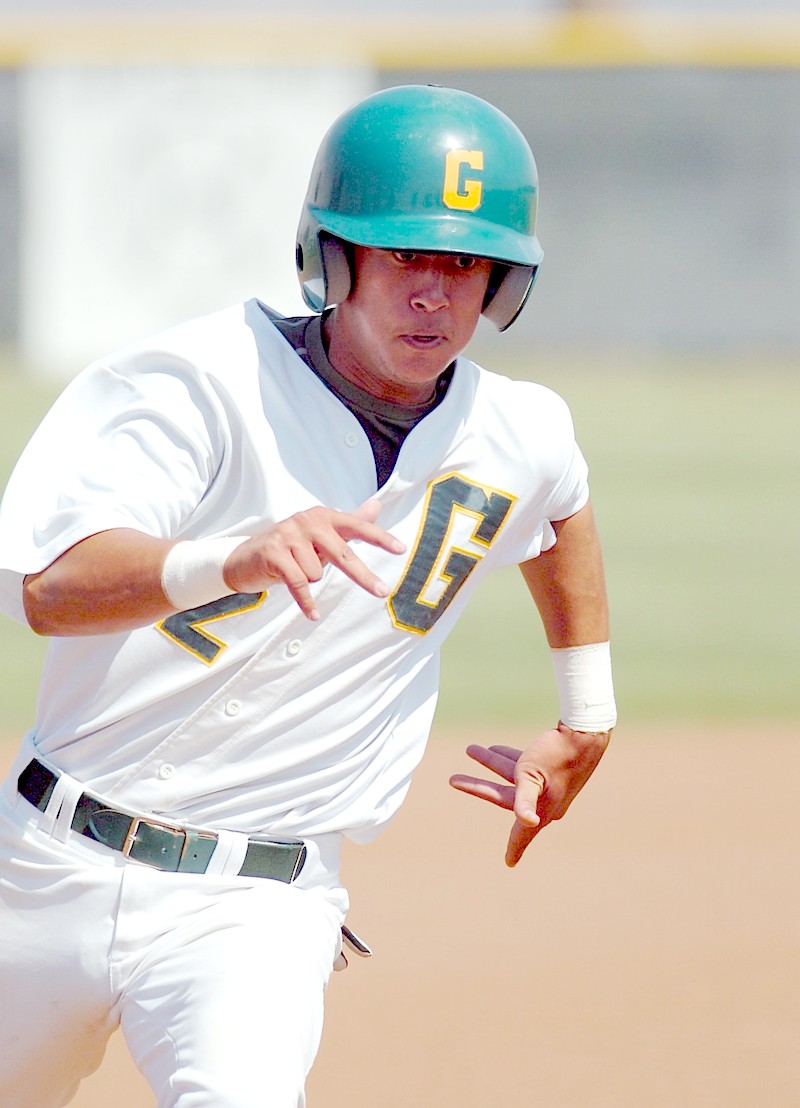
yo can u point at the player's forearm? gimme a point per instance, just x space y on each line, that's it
107 583
122 579
567 583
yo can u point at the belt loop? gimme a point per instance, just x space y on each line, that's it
57 816
229 853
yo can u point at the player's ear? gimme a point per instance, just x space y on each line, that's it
336 264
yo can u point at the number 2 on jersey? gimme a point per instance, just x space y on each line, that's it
187 630
438 568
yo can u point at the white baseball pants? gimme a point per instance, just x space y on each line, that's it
216 981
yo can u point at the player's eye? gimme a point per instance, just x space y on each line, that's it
405 256
466 261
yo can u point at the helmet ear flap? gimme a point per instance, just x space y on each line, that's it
336 268
509 288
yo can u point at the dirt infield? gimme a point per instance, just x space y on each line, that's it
644 954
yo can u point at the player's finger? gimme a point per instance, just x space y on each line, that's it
332 544
491 759
350 528
349 563
296 567
360 524
300 591
530 786
522 835
303 561
369 510
501 795
507 751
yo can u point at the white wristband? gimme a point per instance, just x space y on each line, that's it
585 686
192 572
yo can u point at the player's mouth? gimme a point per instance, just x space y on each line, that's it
423 342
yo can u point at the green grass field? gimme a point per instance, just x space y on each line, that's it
695 471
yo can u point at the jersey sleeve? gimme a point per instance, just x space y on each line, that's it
571 491
126 445
557 476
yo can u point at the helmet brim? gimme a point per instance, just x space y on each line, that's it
449 233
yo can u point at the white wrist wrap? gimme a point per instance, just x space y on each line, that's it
192 572
585 687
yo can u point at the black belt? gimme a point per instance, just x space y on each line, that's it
176 849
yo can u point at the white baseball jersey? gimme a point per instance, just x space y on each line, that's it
242 713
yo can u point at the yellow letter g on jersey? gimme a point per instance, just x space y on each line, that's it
460 191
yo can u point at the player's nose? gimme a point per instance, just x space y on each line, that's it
431 288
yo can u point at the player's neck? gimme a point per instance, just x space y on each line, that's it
372 369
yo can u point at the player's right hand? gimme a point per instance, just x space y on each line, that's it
296 551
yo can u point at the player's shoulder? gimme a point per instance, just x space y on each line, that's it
200 352
200 337
515 397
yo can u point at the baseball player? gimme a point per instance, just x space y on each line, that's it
247 538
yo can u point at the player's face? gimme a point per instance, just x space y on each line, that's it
406 319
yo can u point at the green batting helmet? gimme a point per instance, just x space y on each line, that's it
428 169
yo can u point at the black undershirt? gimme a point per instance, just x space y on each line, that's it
385 423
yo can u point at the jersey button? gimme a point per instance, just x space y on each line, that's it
351 439
165 771
294 648
233 707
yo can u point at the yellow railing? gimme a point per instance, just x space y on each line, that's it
578 39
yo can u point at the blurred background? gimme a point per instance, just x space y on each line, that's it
153 160
154 156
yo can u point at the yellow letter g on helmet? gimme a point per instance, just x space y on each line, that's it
460 191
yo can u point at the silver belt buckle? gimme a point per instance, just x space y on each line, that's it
154 843
136 823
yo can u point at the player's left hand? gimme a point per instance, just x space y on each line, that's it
544 779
